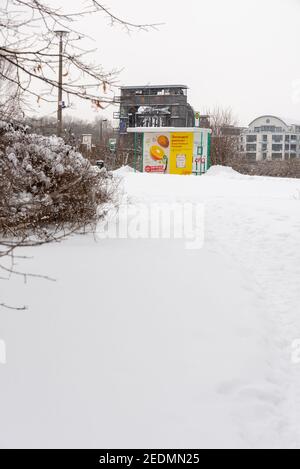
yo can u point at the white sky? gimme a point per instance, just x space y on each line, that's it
231 53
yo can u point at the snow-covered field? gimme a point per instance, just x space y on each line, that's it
145 344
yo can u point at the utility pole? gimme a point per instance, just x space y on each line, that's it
60 34
101 130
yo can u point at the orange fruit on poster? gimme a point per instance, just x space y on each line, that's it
157 153
163 141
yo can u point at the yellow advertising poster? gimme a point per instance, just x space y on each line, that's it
156 153
181 153
168 153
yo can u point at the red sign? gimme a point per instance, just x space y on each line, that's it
154 169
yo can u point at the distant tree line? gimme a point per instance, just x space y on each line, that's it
74 127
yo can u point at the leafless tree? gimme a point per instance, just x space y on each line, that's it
10 98
28 68
224 136
29 50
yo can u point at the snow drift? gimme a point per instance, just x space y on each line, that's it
141 343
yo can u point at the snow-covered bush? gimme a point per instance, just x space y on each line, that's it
45 183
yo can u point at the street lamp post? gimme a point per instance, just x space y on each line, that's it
101 129
61 35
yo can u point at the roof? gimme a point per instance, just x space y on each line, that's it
158 130
153 87
267 117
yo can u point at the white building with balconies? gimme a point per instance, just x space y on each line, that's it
270 138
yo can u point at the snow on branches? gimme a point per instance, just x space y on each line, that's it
45 183
47 191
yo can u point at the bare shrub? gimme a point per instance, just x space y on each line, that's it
46 183
274 168
47 191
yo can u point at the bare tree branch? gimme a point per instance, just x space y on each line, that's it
28 47
14 308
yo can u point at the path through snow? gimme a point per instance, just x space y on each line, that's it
146 344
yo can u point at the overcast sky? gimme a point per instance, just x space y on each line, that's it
233 53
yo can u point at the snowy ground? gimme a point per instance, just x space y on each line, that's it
142 343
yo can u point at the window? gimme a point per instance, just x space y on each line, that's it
277 147
264 146
251 147
265 138
251 138
277 138
268 128
293 137
293 147
287 138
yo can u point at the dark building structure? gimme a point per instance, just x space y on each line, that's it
231 131
155 106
